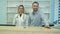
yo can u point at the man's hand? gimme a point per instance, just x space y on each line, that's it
47 26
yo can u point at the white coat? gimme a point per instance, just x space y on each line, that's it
20 21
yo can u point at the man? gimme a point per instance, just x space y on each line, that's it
36 17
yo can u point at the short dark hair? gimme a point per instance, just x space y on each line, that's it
35 2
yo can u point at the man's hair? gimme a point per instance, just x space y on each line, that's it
35 2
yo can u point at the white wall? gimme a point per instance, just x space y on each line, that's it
13 4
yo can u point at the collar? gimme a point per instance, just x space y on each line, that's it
35 12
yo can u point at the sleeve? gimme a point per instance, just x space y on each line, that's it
44 19
29 20
26 20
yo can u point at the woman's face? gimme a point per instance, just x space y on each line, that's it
21 9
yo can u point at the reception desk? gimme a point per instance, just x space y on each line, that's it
27 30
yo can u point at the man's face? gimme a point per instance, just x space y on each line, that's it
35 7
21 9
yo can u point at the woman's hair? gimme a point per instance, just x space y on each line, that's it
19 7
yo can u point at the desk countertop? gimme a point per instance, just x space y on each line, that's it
26 30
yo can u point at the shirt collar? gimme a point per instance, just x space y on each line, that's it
35 12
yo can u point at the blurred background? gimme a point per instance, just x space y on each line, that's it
8 8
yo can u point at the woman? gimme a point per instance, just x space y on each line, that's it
20 19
